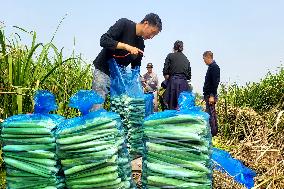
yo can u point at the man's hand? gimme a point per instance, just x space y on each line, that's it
189 85
144 84
211 100
129 48
166 77
133 50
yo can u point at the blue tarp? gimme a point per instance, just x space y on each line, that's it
224 162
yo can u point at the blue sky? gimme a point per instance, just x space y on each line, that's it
246 37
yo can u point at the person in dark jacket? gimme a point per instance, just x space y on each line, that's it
162 105
210 87
124 41
177 71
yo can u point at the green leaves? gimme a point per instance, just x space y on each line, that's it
38 66
261 96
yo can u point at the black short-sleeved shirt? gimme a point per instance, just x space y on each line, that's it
177 63
124 31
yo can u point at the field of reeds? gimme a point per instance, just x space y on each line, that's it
26 68
251 123
251 118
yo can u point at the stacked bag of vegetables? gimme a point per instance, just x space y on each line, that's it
29 146
92 147
178 148
128 100
132 112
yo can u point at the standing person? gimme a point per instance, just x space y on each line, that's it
150 79
150 84
161 96
124 41
210 87
177 71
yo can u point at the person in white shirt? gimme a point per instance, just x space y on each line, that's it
150 83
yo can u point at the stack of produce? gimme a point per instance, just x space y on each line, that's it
132 112
29 150
127 99
178 150
93 153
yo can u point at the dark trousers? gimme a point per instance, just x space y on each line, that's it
177 84
210 109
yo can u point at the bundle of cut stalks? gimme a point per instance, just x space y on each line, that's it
240 123
222 180
258 142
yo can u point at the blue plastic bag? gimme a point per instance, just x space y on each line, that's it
186 100
186 104
84 100
44 102
149 105
125 81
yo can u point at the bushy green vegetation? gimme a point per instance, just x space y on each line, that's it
25 69
261 96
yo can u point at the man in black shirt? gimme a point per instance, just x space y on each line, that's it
124 41
210 87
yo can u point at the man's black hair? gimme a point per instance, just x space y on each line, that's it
153 20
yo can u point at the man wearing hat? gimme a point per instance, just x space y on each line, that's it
150 80
150 83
